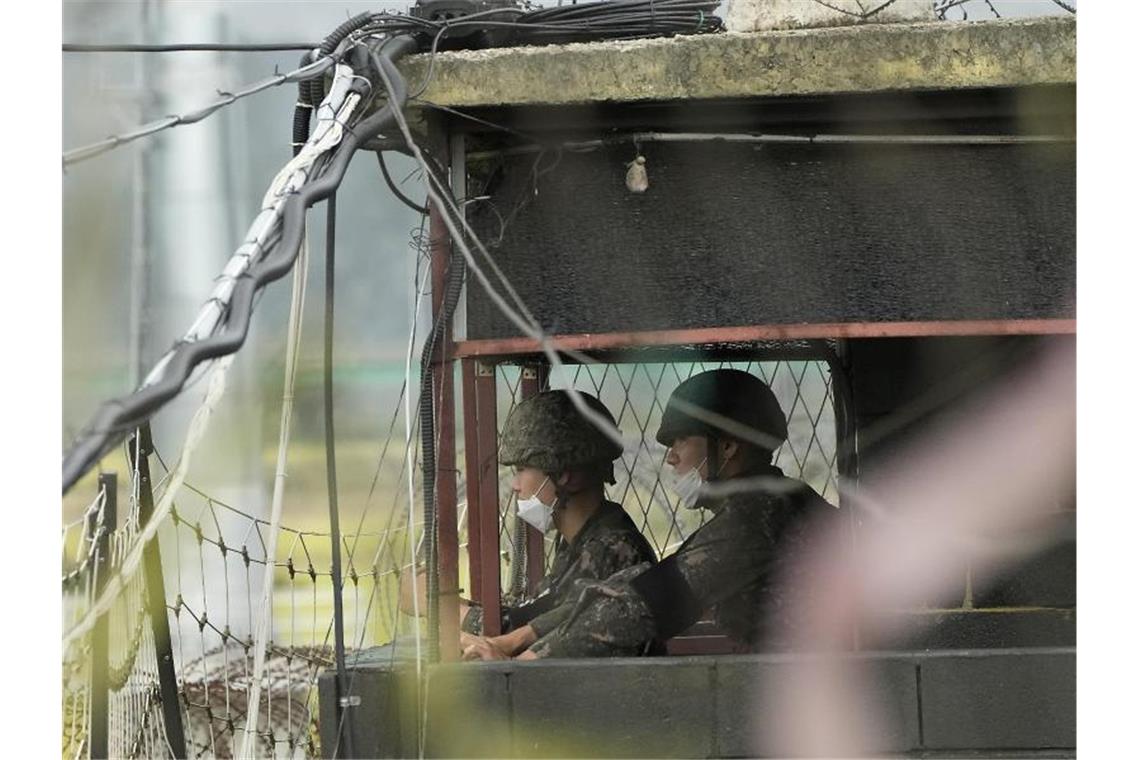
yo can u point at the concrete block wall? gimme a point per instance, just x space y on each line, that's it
1000 702
902 389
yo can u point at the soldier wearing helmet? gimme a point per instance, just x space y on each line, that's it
561 462
721 428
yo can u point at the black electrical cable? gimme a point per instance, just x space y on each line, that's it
316 89
436 342
311 93
330 470
614 19
395 190
303 110
456 276
182 47
117 416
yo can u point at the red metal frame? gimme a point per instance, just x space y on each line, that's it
480 417
471 459
483 494
750 333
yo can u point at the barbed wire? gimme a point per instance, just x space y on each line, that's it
942 6
83 153
862 13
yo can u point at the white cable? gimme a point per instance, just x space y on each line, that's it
194 434
266 225
326 136
420 288
249 743
95 505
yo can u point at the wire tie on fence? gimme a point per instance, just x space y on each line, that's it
202 623
289 566
313 572
245 554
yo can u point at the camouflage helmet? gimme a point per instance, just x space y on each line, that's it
732 398
546 431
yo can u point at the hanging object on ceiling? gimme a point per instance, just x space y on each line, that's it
636 178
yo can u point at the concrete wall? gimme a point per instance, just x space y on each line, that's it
942 704
903 389
867 58
731 234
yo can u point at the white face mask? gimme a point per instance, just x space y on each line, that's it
686 487
535 513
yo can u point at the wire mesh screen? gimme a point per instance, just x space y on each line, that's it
135 719
95 547
636 395
79 557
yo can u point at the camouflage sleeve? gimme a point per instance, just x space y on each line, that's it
613 618
728 553
607 619
601 558
551 619
473 620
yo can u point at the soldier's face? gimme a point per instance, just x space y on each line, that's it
687 452
528 480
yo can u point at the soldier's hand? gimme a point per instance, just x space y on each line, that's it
480 648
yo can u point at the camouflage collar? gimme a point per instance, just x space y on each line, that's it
608 513
716 503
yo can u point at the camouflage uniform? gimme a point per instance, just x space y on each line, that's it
733 565
547 432
730 565
607 543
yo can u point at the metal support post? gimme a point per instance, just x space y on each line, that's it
471 462
443 389
100 662
486 506
140 450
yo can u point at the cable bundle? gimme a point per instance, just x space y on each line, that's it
604 19
619 19
275 237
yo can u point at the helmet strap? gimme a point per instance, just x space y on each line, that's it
712 457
